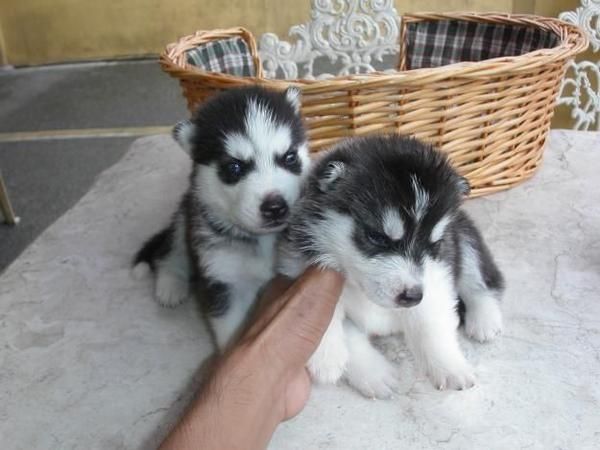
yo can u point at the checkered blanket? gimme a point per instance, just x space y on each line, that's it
230 56
438 43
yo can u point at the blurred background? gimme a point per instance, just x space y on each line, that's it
79 81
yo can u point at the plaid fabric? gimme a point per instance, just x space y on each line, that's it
230 56
438 43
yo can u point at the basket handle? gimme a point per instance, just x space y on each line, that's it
173 58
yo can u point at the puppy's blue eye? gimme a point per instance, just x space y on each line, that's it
377 239
290 158
234 168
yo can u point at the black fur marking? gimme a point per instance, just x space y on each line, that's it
377 175
226 113
176 131
155 248
290 161
216 298
492 277
226 176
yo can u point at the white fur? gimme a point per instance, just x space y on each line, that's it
381 279
247 268
238 265
264 133
368 371
293 94
229 324
334 171
431 331
184 135
438 230
239 146
393 225
367 300
328 363
140 271
172 272
170 289
483 318
240 203
421 201
367 315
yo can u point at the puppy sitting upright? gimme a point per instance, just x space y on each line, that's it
385 212
250 154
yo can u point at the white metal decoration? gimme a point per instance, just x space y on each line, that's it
351 34
580 89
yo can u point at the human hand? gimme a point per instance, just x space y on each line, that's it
261 380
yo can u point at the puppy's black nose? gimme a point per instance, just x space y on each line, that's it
409 297
274 207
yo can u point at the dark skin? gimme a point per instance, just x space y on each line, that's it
261 380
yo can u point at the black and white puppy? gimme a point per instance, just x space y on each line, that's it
385 212
249 156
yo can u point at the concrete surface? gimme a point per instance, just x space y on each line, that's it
90 361
45 178
120 94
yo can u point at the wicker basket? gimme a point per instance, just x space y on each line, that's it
491 116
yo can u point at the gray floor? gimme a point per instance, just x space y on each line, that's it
45 178
90 361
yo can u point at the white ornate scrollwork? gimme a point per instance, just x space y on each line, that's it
580 89
351 34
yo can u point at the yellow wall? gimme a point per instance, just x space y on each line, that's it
44 31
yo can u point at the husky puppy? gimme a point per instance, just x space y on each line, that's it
385 212
249 156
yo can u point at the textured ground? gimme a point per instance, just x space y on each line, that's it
90 361
45 178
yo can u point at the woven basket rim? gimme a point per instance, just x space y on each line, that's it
572 41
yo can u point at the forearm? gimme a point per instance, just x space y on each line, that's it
236 409
262 380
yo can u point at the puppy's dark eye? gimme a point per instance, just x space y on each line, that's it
377 239
290 158
234 169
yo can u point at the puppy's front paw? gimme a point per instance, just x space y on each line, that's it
372 375
327 365
171 290
457 375
484 321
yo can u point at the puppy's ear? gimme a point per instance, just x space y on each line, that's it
330 174
464 186
183 133
292 95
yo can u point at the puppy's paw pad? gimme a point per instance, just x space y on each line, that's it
457 378
484 322
171 290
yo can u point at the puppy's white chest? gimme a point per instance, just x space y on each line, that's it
369 317
247 264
